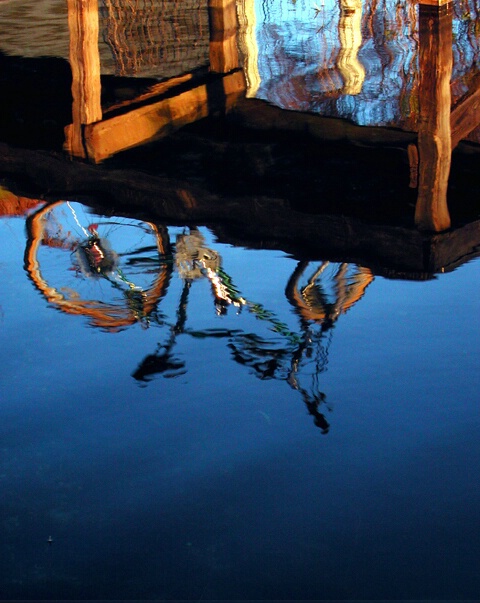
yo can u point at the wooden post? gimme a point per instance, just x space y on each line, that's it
223 35
434 135
85 65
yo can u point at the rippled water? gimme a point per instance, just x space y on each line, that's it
147 38
34 28
350 59
353 59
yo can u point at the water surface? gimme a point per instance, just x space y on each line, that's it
231 367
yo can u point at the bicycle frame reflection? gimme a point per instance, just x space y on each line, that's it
115 271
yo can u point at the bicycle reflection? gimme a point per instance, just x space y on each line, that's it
115 271
330 291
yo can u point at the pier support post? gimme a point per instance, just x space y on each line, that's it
434 135
85 65
223 35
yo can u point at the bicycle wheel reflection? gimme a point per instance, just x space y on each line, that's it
113 270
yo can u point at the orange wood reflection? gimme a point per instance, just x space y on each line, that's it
155 120
223 35
311 305
94 137
85 65
434 134
14 205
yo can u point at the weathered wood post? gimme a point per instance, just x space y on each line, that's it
434 134
85 65
223 35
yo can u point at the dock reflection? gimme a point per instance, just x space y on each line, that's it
432 105
97 135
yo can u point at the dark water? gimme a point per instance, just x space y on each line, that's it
239 406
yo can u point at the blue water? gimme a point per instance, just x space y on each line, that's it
208 482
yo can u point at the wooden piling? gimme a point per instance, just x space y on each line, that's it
156 119
223 35
434 135
85 65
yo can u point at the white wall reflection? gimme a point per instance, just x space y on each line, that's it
355 60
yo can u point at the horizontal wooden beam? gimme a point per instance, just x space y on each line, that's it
148 123
153 91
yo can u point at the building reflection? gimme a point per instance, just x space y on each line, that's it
424 104
96 134
439 109
434 105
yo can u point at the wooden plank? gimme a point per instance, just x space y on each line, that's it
434 2
148 123
152 92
